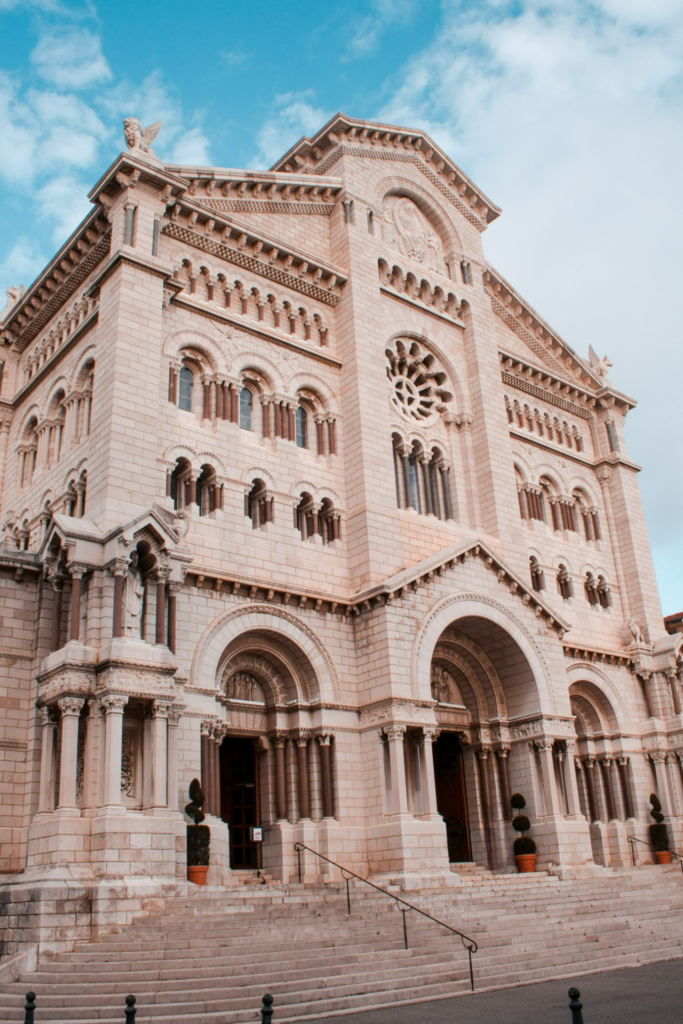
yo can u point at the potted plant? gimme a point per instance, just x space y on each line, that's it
198 837
524 847
659 836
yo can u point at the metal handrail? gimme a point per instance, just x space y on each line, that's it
470 945
632 841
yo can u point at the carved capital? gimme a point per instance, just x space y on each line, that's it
394 732
113 703
160 709
70 706
658 756
544 743
429 733
76 570
324 739
174 714
47 715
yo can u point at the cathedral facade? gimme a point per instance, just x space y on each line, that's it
301 497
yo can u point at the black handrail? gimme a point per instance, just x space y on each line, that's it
632 840
470 945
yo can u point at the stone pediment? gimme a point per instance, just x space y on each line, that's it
446 561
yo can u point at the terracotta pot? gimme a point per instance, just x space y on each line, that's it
197 873
526 862
663 856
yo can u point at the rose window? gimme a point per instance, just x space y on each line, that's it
416 380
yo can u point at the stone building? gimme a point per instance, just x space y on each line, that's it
300 496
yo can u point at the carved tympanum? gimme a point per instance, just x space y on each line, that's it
405 229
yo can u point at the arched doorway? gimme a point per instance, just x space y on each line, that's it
480 679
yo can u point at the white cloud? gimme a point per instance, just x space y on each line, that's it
191 147
295 117
71 59
383 15
63 200
20 266
568 114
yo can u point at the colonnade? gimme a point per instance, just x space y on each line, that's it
82 736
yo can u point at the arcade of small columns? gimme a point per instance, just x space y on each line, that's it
160 601
81 732
303 766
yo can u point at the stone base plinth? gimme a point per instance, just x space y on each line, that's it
410 851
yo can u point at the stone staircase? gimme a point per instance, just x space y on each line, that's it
210 957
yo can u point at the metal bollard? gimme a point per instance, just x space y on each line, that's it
575 1005
267 1009
30 1007
130 1010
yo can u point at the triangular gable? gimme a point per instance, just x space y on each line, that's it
424 571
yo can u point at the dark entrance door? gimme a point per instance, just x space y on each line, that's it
451 799
240 799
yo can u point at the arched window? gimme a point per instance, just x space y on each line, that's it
246 400
564 583
181 486
304 520
301 427
208 491
413 482
185 388
604 593
591 589
537 574
258 506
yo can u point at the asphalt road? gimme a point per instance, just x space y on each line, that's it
652 994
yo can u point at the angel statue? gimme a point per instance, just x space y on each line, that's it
600 366
139 139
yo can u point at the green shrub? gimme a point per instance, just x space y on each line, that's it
522 845
517 802
521 823
198 845
194 808
656 811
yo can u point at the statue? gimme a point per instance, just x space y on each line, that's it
135 593
139 139
600 366
441 690
635 631
14 293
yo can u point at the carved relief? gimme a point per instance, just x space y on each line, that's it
242 686
128 764
444 688
406 230
134 598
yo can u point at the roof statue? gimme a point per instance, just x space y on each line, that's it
139 139
601 366
14 293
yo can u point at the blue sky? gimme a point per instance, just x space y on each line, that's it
567 113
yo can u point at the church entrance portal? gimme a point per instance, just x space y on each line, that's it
451 799
240 804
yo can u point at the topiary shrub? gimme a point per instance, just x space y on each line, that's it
659 836
522 844
198 835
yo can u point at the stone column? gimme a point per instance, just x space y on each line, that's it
658 758
77 572
206 769
119 570
545 749
502 755
397 768
173 590
674 686
570 782
113 706
302 765
485 789
218 734
172 762
160 636
281 779
605 770
56 634
70 708
427 766
589 770
159 731
326 773
47 753
625 786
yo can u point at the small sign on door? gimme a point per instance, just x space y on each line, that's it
256 835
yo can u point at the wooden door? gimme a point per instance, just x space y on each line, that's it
451 797
240 799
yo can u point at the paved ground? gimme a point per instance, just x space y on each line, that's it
639 995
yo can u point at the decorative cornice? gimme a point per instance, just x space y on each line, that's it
542 389
266 206
22 327
390 142
595 655
251 263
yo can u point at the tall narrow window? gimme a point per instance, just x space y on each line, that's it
413 484
537 574
301 427
564 583
185 388
604 593
245 408
590 587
